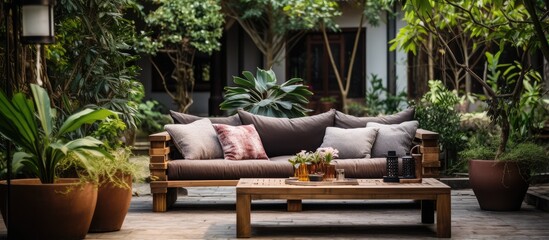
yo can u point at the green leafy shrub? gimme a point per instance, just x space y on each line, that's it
357 109
151 119
109 132
532 157
263 96
377 105
436 112
42 139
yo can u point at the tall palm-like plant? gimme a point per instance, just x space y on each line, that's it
261 95
30 125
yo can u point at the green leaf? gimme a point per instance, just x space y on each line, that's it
243 82
86 116
42 101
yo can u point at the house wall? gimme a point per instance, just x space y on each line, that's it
401 60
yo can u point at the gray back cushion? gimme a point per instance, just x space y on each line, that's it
343 120
351 142
393 137
283 136
183 118
196 140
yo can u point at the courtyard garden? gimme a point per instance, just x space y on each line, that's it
114 95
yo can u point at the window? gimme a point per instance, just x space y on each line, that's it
309 60
201 72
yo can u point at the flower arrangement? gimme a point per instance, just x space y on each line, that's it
327 154
308 162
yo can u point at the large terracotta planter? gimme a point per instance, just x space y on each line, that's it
498 186
112 206
62 210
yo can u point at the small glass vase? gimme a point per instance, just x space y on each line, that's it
329 172
314 168
302 172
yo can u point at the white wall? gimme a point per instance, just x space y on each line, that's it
376 47
376 51
401 60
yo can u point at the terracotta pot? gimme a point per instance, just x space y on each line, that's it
62 210
498 186
112 206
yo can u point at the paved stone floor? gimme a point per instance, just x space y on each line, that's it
209 213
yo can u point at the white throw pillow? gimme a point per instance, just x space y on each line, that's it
196 140
351 142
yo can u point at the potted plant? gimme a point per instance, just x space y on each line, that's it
518 116
48 207
314 165
114 192
299 162
114 178
502 184
327 154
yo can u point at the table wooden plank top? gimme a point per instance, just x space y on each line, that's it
277 183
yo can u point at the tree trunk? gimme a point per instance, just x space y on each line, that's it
430 64
505 129
468 80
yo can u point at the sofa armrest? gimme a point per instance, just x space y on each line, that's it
159 155
429 149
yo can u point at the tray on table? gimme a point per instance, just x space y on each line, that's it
321 183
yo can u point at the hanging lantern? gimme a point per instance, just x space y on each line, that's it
391 167
37 21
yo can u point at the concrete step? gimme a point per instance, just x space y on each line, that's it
141 148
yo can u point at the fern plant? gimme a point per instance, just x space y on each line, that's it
263 96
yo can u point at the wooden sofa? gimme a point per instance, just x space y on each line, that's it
164 190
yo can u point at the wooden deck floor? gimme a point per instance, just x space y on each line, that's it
209 213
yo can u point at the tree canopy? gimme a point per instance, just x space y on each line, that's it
272 23
179 29
519 25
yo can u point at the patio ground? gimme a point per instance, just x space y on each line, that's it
209 213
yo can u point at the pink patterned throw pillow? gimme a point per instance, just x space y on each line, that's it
240 142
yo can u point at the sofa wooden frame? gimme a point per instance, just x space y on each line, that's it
164 191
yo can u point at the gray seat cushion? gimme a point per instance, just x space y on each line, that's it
276 167
283 136
221 169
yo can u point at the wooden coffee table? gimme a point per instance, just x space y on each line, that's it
431 192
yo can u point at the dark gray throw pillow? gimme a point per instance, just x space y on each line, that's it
196 140
394 137
351 142
343 120
184 118
283 136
